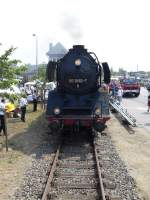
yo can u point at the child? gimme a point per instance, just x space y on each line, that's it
148 103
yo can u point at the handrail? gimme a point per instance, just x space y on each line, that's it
124 113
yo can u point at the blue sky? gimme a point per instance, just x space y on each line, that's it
117 31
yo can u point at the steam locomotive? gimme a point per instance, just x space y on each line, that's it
81 98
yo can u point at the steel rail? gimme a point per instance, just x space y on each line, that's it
50 177
101 186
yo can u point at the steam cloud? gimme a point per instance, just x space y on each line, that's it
71 24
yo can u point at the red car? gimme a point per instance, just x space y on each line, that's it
130 86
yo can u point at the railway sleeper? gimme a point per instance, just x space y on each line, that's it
70 194
74 191
77 152
69 197
76 179
77 159
69 175
80 144
77 166
75 185
78 171
74 156
70 162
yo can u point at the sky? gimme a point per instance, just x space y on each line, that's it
118 31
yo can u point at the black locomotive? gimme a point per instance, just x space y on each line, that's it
81 97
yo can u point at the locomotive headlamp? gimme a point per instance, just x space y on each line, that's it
78 62
56 111
97 111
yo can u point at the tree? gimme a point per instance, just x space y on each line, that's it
9 69
42 72
42 78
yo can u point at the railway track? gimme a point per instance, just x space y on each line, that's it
75 172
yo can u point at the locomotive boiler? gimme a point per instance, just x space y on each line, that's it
81 97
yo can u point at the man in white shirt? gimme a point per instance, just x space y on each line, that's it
34 97
22 105
2 116
119 94
52 86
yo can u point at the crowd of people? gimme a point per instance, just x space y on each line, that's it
9 109
17 109
116 91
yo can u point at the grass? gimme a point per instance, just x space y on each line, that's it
21 136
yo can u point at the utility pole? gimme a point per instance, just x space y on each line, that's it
36 52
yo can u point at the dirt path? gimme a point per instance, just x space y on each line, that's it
134 149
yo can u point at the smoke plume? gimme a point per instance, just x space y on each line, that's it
71 24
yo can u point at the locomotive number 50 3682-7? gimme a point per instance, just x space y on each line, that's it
77 80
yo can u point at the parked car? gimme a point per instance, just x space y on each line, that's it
130 86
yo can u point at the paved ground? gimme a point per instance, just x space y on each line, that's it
137 106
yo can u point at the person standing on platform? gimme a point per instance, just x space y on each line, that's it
34 96
148 103
119 94
22 105
2 116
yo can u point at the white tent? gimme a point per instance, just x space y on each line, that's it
13 90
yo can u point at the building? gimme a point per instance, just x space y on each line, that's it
56 52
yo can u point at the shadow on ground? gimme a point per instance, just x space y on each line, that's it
29 136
